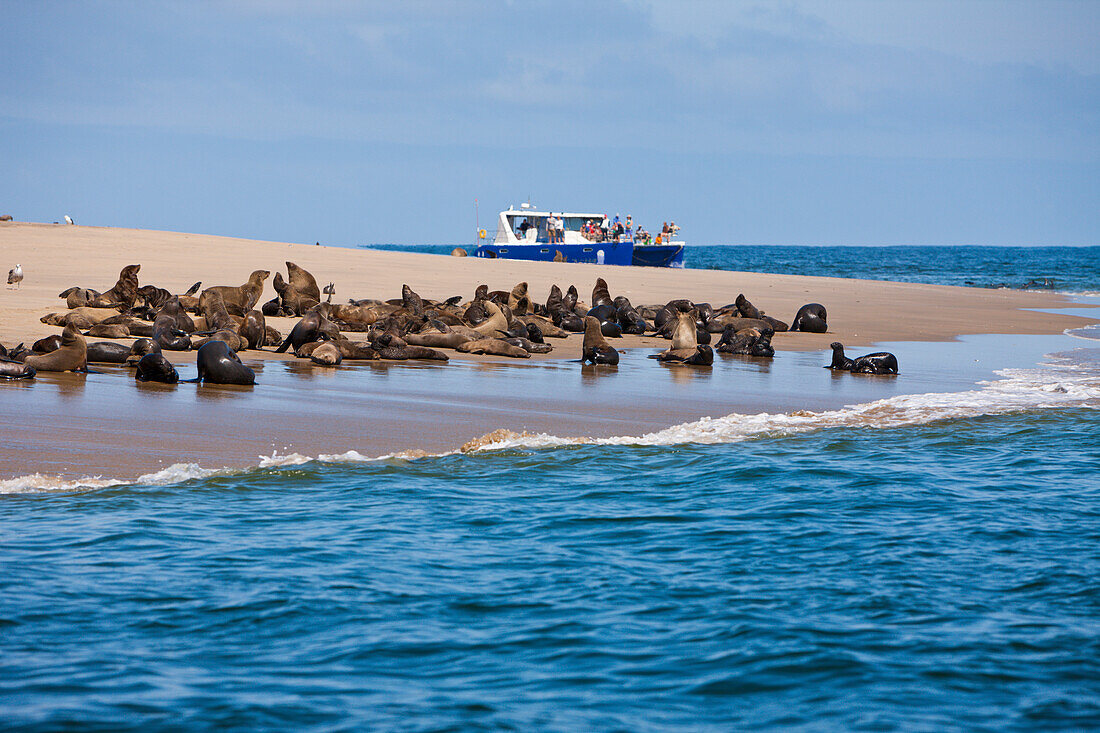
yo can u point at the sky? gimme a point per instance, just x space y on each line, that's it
804 123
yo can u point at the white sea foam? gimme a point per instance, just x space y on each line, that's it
1064 384
1067 380
37 482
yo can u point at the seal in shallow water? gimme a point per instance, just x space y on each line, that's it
218 364
595 348
156 368
880 362
15 370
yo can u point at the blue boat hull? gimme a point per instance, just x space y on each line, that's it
658 255
614 253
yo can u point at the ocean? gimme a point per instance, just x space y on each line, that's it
1068 269
914 561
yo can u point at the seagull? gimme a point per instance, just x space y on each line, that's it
15 275
68 219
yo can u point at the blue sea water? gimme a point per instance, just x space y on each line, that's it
923 562
1071 269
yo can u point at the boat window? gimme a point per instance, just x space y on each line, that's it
587 249
538 223
504 251
544 250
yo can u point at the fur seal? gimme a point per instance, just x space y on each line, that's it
326 354
253 331
496 321
301 280
107 352
494 346
243 297
156 368
124 292
880 362
601 295
108 331
167 335
312 327
595 348
811 318
140 348
218 364
71 356
295 295
78 297
686 348
459 252
746 342
15 370
47 344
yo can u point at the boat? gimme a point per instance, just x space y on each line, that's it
521 235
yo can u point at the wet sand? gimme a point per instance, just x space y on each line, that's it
108 425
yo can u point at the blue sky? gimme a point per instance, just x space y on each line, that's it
758 123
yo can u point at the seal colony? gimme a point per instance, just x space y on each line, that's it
221 320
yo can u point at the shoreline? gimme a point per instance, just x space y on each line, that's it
74 426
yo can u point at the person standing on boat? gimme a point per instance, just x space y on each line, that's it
672 229
561 229
629 229
665 231
551 229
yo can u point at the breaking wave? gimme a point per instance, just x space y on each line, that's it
1066 380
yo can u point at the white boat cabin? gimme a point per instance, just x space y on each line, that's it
527 226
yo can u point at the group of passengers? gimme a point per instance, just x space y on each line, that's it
606 230
617 230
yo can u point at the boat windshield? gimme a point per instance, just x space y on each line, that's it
521 222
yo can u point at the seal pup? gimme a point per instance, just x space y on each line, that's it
595 348
326 354
880 362
47 344
155 368
253 331
218 364
15 276
71 356
76 297
811 318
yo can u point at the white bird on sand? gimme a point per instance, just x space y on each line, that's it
15 275
68 219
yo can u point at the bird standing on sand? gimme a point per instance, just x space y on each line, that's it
68 219
15 275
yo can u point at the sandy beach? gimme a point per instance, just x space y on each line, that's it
107 424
